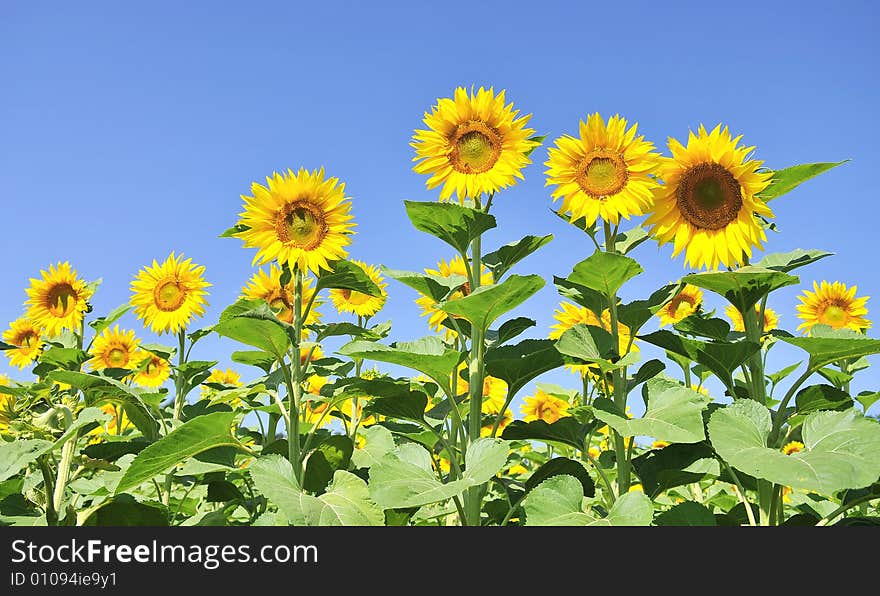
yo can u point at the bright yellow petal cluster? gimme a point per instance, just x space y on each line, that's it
58 301
358 303
301 219
168 296
455 266
685 303
543 406
25 336
708 203
568 315
792 447
221 377
7 405
474 144
267 286
833 304
114 349
153 370
605 172
771 319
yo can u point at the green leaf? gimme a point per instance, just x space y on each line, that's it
704 326
674 413
648 370
485 457
427 355
234 231
821 397
17 455
582 295
688 513
559 466
566 430
719 357
61 358
255 327
101 323
345 275
557 502
789 178
435 287
780 375
604 272
675 465
258 358
635 314
788 261
744 287
626 241
631 509
404 478
334 453
189 439
124 510
378 442
587 343
580 223
87 418
508 330
322 332
840 448
453 224
868 398
521 363
827 345
501 260
483 306
393 399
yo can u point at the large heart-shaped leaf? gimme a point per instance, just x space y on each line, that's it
453 224
840 448
744 287
604 272
519 364
675 465
482 307
558 502
251 322
345 275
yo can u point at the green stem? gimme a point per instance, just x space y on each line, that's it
67 452
779 416
843 509
48 484
179 399
294 382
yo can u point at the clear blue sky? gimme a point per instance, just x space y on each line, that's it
127 132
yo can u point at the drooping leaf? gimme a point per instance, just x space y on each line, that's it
521 363
101 323
258 358
332 454
500 261
483 306
704 326
508 330
453 224
566 430
675 465
787 179
17 455
254 327
826 345
635 314
563 465
125 510
582 295
821 397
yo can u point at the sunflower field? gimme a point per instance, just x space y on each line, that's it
456 428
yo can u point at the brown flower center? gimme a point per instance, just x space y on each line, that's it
27 339
301 224
602 173
682 300
61 300
169 295
475 147
281 304
709 196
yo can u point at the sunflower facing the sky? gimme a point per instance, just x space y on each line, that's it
167 296
685 303
474 144
25 336
358 303
833 304
301 219
604 172
543 406
153 370
115 349
771 320
267 286
455 266
708 203
58 301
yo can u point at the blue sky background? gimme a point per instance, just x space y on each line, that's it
130 131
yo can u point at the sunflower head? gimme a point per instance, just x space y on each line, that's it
115 349
221 377
59 300
168 296
685 303
771 319
301 219
267 286
543 406
358 303
474 144
833 304
117 425
659 444
505 419
604 172
455 266
153 370
25 336
7 405
792 447
708 203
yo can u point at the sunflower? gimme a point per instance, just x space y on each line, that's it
568 315
506 419
517 470
58 301
167 296
793 447
313 348
494 390
114 349
117 425
709 201
455 266
221 377
25 336
474 144
685 303
358 303
605 173
771 319
153 370
543 406
7 405
660 444
833 304
267 286
300 219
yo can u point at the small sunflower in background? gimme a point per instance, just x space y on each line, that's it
505 419
474 144
683 305
114 349
771 319
25 336
358 303
267 286
604 172
708 203
220 376
153 370
58 301
543 406
167 297
568 315
116 426
7 405
301 219
792 447
833 304
455 266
